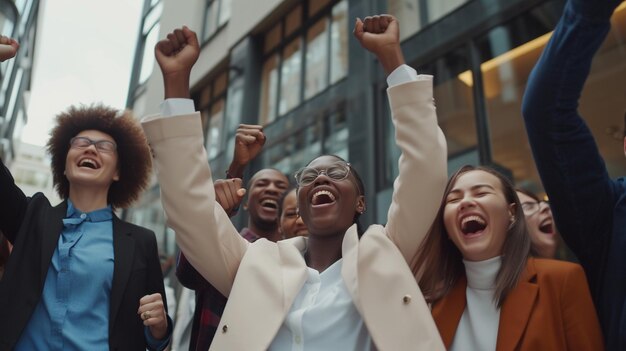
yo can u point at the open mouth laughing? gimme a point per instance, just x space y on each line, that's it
269 203
322 197
472 225
546 226
88 163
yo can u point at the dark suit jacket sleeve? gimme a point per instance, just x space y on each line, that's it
573 173
13 204
581 325
187 275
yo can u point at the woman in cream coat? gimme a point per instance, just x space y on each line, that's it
337 289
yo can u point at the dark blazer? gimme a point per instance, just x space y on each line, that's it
549 309
34 226
588 206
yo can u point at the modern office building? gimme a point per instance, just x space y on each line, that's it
294 67
18 19
32 173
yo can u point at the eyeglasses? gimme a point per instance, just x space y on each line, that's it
337 171
530 207
101 145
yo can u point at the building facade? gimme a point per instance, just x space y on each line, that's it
18 19
294 67
32 173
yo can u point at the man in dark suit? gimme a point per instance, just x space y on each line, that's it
79 278
588 206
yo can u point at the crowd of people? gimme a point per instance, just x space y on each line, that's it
465 262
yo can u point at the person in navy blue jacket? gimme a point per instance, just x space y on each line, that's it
588 206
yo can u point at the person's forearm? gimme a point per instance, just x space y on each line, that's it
176 86
391 59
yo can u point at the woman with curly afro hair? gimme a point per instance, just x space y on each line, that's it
79 277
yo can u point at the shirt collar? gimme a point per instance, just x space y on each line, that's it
249 235
100 215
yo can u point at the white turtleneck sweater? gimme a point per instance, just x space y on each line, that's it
478 328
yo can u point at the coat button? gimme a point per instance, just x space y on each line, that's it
406 299
224 328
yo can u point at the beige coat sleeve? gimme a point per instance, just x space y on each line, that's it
419 187
203 230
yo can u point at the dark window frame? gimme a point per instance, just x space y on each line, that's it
306 23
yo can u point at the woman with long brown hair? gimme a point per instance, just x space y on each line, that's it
487 293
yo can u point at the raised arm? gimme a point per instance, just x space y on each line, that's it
249 141
229 194
572 171
423 163
13 204
203 230
8 48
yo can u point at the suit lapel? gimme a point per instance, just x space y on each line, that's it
448 311
53 227
517 308
292 268
349 268
123 250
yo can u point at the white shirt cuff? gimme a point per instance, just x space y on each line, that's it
404 74
177 107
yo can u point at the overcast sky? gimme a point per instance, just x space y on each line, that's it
85 54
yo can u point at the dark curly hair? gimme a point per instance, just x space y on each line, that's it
134 157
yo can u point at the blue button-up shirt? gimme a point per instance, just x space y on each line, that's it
73 313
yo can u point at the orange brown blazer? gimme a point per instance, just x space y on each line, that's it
262 279
549 309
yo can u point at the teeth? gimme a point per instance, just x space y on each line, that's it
269 202
88 162
323 192
472 218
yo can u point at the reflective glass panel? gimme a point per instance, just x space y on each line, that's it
339 42
269 89
290 80
408 14
316 58
508 54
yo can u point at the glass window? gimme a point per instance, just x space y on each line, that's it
147 62
439 8
326 60
290 77
328 134
150 30
225 9
153 16
408 14
6 25
316 58
336 134
413 15
455 111
214 130
339 42
508 54
210 19
216 14
269 89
